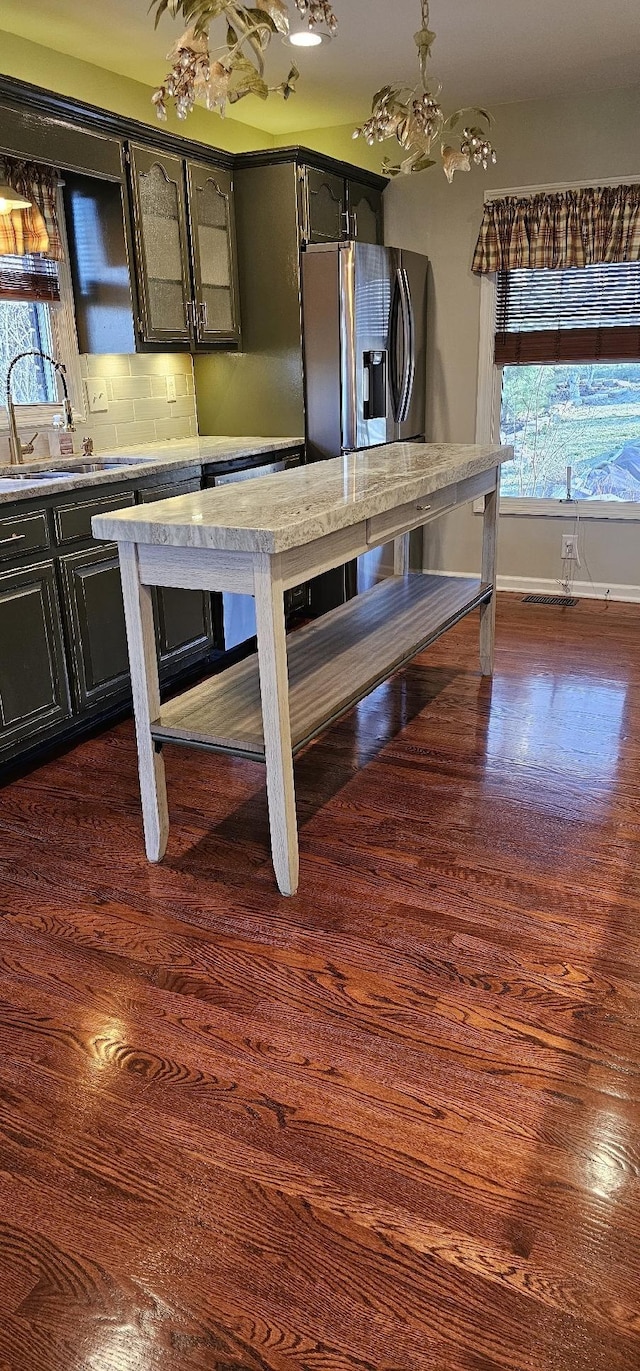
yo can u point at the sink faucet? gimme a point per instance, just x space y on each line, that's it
16 449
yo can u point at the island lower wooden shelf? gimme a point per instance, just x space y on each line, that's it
332 663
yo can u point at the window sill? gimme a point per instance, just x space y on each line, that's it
561 509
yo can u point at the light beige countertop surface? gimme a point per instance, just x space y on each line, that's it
274 513
139 461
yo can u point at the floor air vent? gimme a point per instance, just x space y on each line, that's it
565 600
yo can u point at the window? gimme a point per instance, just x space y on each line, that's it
36 312
568 344
24 325
586 417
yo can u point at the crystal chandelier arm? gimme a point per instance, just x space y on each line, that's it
416 120
237 68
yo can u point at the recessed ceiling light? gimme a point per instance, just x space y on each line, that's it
306 38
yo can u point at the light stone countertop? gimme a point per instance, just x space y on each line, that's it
139 461
274 513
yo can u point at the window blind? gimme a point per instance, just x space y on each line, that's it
32 278
579 314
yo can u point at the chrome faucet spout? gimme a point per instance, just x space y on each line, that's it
16 448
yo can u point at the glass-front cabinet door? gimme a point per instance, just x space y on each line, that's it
211 218
161 249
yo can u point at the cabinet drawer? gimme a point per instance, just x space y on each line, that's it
23 533
169 492
412 515
73 522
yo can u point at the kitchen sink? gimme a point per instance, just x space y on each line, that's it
61 473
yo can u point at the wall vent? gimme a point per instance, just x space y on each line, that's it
564 600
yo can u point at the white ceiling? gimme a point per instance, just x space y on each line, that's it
487 52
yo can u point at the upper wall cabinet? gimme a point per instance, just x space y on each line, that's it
365 213
184 250
335 208
213 246
324 206
57 140
99 261
161 247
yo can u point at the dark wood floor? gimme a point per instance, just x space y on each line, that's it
390 1124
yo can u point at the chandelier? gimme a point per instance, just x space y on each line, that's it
415 118
225 75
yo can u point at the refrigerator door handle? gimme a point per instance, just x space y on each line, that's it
408 344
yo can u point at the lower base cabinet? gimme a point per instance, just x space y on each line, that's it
34 690
95 622
183 626
63 644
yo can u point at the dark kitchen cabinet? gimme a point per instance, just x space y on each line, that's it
335 208
94 612
324 206
99 262
365 215
161 247
183 626
184 250
216 312
34 691
183 618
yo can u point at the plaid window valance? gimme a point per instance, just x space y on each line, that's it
27 232
572 228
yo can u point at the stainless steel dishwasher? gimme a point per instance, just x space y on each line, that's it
238 618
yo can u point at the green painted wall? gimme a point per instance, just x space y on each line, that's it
336 142
84 81
65 75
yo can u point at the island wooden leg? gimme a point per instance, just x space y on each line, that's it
401 555
143 662
274 691
489 571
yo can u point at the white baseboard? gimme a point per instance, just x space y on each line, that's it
582 590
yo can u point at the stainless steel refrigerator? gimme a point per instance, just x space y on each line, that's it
364 342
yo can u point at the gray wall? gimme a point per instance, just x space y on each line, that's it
538 143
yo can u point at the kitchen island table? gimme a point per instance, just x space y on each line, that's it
262 537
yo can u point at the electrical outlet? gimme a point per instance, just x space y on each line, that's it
96 390
171 389
570 548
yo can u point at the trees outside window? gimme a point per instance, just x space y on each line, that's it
584 416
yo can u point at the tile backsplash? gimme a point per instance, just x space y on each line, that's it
138 410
